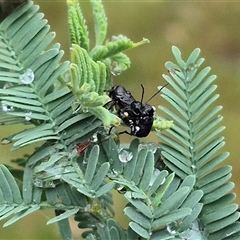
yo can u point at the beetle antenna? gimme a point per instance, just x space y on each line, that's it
142 93
157 92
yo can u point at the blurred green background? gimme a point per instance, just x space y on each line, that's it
212 26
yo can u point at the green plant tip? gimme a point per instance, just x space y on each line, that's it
159 125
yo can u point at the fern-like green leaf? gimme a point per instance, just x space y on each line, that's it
63 216
26 89
12 202
73 174
77 25
153 194
193 145
9 188
100 21
64 226
118 44
21 215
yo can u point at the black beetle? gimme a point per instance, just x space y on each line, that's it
135 114
121 98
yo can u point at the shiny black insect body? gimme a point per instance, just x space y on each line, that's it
121 98
141 119
135 114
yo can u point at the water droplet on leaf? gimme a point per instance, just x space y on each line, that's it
193 166
163 181
151 146
171 230
94 138
192 66
142 146
5 141
28 116
7 108
101 225
49 184
156 172
7 85
125 155
27 77
173 70
38 182
121 189
93 193
115 171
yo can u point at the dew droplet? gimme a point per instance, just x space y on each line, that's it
193 166
28 116
5 141
94 138
125 155
7 108
27 77
192 66
114 171
171 230
121 189
163 181
7 85
101 225
93 193
38 182
156 172
173 70
151 146
49 184
142 146
193 232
